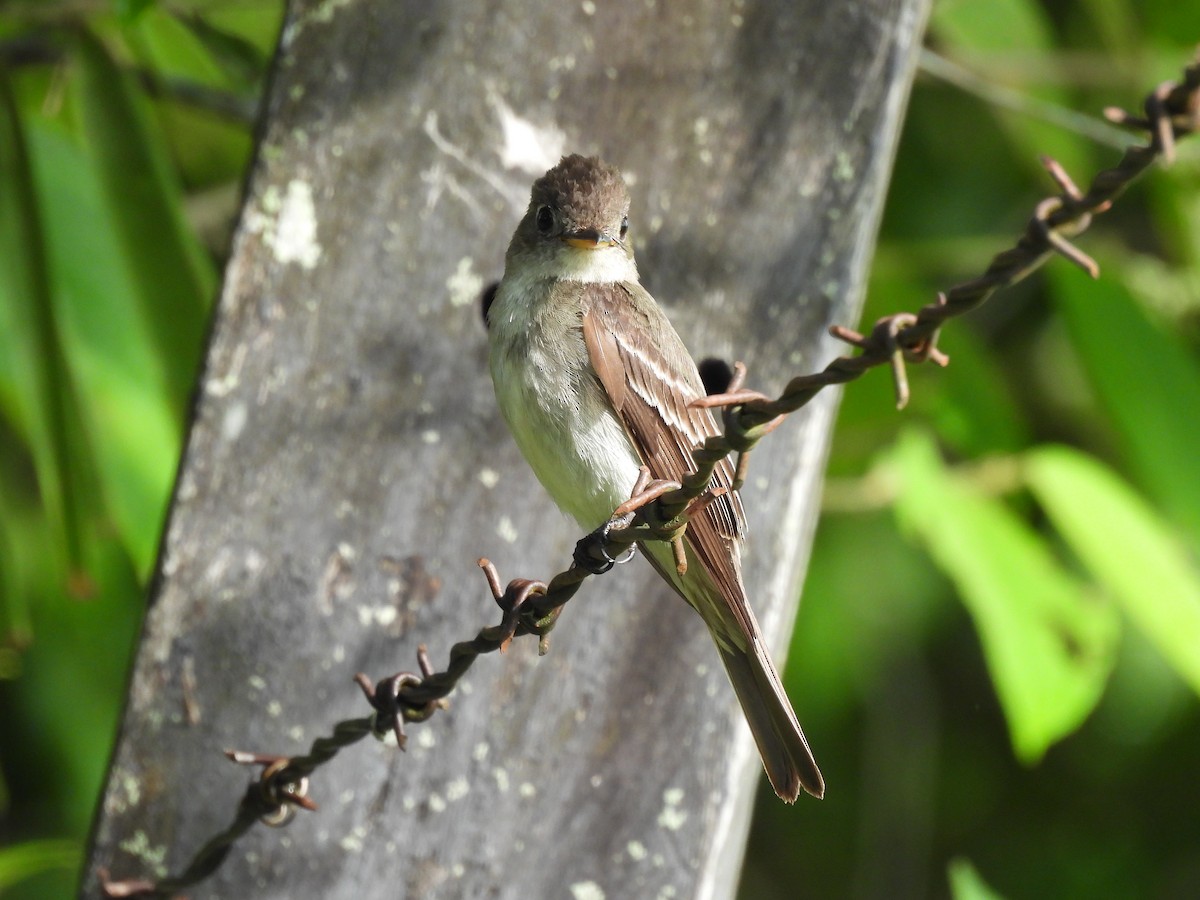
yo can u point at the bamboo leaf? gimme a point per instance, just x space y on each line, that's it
241 62
172 278
125 406
38 391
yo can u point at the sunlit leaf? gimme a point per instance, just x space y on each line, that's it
172 49
241 61
202 114
999 25
126 408
1147 382
1049 644
967 884
37 390
174 282
1128 547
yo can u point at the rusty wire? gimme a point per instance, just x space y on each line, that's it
659 510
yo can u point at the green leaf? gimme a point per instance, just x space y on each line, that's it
1148 383
203 116
238 58
25 535
164 44
967 884
173 279
126 409
1128 547
997 25
22 861
1049 645
79 662
35 387
128 10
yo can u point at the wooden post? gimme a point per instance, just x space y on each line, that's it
347 465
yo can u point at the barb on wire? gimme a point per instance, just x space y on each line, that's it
271 799
659 510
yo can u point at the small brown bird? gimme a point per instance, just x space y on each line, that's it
595 383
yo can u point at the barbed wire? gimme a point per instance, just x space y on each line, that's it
659 510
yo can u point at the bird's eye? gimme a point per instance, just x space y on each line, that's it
624 226
544 220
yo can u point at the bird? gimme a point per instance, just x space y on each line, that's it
595 384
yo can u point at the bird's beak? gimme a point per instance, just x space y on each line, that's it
589 239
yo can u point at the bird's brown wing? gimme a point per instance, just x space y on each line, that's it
650 379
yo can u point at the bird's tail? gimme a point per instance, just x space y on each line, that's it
789 763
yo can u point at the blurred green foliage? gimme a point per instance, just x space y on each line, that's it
998 656
125 131
1003 691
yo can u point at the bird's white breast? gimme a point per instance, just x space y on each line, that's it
552 401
